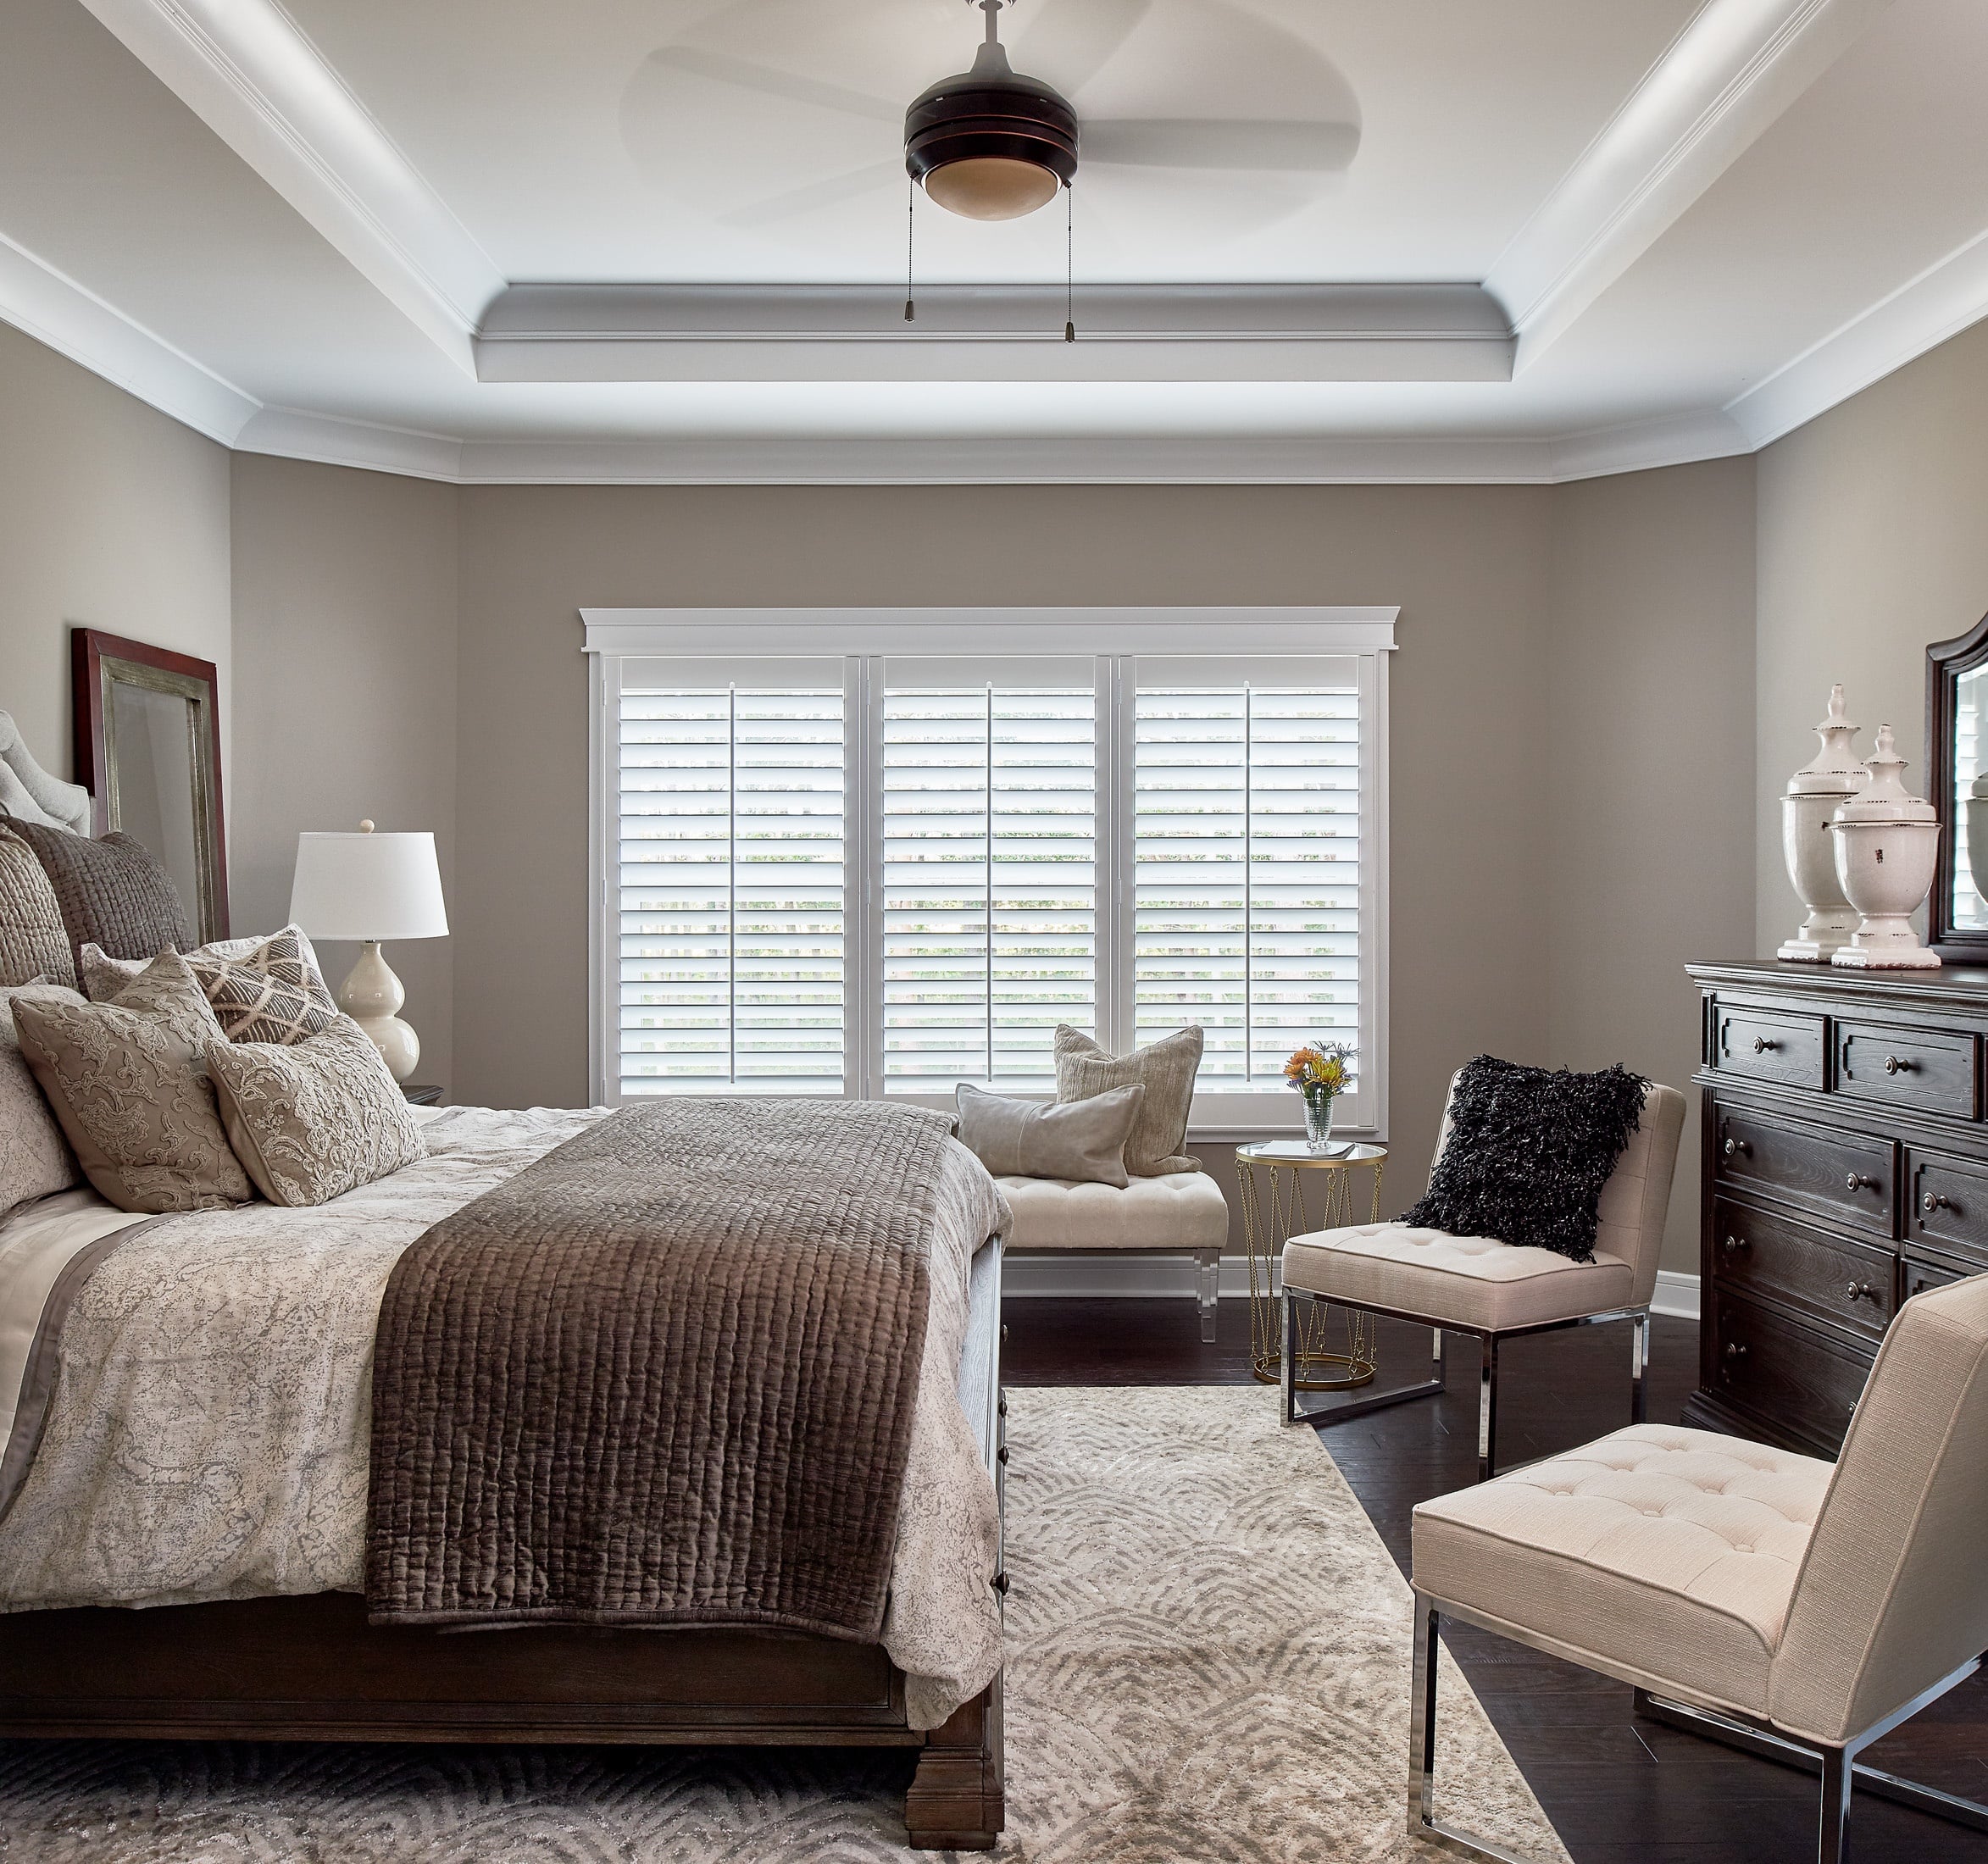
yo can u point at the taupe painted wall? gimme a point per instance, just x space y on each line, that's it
111 516
344 677
1874 542
1650 714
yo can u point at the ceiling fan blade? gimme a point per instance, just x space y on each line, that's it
1195 143
749 76
830 192
1070 40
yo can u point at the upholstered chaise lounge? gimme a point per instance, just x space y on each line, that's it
1181 1213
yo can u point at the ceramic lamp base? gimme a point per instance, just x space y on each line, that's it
370 995
1886 949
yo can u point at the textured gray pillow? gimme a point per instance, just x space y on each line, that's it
35 1158
315 1118
33 940
1166 1069
1084 1142
113 892
128 1081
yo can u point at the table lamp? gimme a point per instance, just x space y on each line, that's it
371 888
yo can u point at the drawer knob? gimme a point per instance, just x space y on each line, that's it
1761 1045
1932 1202
1861 1291
1734 1245
1896 1065
1733 1350
1736 1147
1857 1182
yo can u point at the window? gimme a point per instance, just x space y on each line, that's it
883 870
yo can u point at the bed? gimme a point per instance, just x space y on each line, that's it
185 1484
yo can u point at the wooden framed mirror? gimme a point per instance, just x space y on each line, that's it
148 744
1956 784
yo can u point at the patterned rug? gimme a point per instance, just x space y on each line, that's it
1207 1664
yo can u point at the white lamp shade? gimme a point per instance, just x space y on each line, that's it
361 885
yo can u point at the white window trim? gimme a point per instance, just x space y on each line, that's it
613 635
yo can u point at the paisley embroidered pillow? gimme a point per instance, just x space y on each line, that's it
35 1158
128 1081
316 1119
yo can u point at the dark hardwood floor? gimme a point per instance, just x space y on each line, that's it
1616 1786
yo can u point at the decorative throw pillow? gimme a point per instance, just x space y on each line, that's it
102 976
1084 1142
1529 1151
1165 1068
33 940
128 1081
315 1118
112 892
35 1158
271 996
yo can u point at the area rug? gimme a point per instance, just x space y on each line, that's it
1207 1664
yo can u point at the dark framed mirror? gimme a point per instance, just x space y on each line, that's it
1956 784
148 745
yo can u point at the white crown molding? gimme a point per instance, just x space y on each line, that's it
248 72
289 433
1637 446
623 333
1726 77
69 318
1921 314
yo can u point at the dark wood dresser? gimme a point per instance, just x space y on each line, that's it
1845 1169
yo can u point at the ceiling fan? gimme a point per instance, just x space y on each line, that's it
990 143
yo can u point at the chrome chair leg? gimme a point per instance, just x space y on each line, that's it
1832 1837
1208 1278
1487 1409
1638 1365
1287 1357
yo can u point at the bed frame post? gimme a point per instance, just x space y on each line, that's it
956 1801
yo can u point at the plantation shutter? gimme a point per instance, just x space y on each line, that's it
989 855
730 900
1246 855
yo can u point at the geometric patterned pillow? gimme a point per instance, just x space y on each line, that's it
273 994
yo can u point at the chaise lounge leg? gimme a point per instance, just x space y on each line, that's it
1638 1364
1207 1277
956 1800
1287 1356
1487 1409
1832 1837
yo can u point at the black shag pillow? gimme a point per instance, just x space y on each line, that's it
1530 1149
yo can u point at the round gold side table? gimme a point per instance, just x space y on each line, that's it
1268 1224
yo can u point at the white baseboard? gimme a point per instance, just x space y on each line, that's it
1677 1295
1110 1275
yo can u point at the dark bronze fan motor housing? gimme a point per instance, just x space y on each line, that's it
989 143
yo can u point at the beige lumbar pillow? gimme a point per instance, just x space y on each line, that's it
1083 1143
1165 1068
34 943
35 1158
128 1081
314 1119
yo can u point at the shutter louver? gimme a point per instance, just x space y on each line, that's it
731 899
1247 852
989 845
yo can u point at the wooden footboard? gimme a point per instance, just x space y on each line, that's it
312 1669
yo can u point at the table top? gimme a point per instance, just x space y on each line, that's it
1335 1154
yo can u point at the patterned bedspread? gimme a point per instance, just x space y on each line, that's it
207 1437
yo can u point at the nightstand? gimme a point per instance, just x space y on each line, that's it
418 1095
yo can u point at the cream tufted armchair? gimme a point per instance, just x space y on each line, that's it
1799 1608
1476 1285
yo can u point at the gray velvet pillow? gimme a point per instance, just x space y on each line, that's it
1159 1145
34 942
1083 1143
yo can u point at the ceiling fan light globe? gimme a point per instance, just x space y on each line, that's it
992 187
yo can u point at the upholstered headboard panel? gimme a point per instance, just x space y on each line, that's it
29 792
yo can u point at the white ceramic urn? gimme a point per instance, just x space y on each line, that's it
1887 841
1811 797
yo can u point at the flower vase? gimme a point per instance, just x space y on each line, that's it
1317 1119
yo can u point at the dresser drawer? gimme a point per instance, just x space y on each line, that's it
1835 1279
1923 1069
1947 1204
1844 1177
1915 1277
1778 1045
1806 1382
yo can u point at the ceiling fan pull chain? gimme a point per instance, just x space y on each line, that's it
1069 262
910 236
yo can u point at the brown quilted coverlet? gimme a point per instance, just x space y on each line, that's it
664 1376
